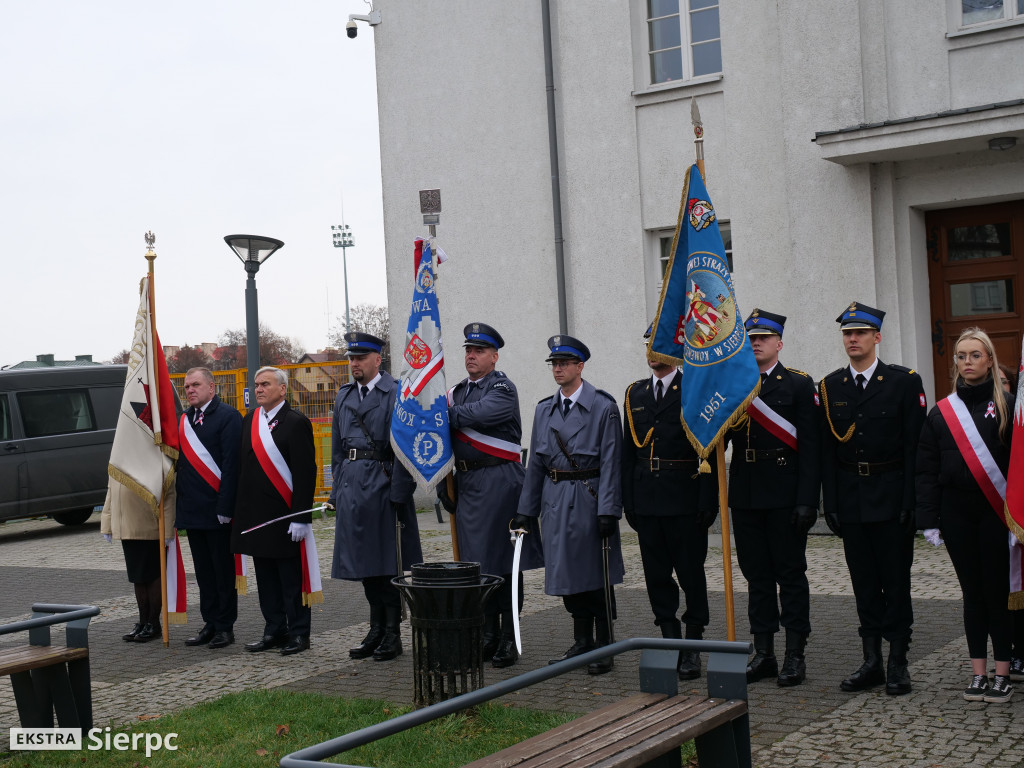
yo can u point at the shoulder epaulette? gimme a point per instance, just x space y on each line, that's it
500 375
602 392
544 399
798 372
836 372
901 368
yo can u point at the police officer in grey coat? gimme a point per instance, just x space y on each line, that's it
483 411
370 490
573 485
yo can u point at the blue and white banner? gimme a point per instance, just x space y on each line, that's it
419 425
699 325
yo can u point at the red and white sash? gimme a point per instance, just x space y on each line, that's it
492 446
241 574
269 456
784 430
176 601
197 454
312 588
987 475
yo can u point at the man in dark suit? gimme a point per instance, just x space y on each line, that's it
774 486
371 492
873 418
669 505
277 477
207 479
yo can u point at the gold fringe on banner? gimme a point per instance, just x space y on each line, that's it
241 585
176 618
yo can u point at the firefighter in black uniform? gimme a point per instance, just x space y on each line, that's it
873 418
669 505
774 487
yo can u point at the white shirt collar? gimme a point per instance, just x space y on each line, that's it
867 374
371 383
769 371
273 411
573 398
665 380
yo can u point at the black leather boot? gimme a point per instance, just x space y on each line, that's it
897 678
794 670
602 630
372 640
507 654
583 633
763 664
391 644
492 634
689 661
870 672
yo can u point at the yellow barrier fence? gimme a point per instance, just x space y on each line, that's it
311 391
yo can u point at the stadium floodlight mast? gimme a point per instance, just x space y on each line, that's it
342 236
252 250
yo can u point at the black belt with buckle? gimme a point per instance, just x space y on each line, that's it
355 454
558 475
869 468
751 455
658 464
489 461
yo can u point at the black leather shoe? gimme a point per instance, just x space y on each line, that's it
390 646
506 655
266 643
147 633
205 635
295 645
369 644
222 639
688 667
130 636
601 666
870 673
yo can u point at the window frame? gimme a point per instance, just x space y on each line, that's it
957 27
35 433
686 42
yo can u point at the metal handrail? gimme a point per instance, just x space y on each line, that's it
311 757
63 614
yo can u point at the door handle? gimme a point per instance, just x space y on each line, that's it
11 447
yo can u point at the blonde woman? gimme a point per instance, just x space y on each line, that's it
962 460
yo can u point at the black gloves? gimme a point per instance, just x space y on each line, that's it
522 521
907 521
606 526
707 517
832 521
804 518
442 495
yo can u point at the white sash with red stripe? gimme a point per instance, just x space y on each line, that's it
197 454
976 454
312 588
784 430
492 446
176 601
241 574
270 457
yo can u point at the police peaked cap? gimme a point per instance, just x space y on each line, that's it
566 347
482 335
859 315
761 323
362 343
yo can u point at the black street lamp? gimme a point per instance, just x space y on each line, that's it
252 250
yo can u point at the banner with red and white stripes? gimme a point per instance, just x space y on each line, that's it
270 457
492 446
197 454
176 601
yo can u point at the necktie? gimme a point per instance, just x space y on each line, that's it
363 392
862 383
658 391
764 379
566 405
199 418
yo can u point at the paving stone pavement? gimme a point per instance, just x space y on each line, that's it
812 724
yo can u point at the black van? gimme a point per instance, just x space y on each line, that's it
56 430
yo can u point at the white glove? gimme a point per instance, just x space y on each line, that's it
223 520
933 536
299 531
107 538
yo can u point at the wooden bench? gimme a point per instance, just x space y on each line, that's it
47 678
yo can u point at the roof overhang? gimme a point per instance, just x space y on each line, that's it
935 135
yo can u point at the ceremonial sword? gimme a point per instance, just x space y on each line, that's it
517 537
321 509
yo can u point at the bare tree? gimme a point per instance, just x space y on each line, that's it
188 357
274 349
366 318
121 358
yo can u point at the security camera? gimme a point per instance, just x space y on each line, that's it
351 29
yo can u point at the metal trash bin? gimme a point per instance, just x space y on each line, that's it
446 614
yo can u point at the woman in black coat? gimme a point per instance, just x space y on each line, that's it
951 500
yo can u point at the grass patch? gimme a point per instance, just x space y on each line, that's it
257 728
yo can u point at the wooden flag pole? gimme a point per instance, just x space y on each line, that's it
155 398
723 508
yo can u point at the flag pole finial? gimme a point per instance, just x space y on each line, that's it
698 135
150 242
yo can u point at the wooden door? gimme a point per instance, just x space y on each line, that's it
975 273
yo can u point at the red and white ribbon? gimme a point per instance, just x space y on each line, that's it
976 454
492 446
270 457
776 425
312 588
241 574
197 454
176 602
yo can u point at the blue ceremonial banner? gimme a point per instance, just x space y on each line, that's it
699 326
420 435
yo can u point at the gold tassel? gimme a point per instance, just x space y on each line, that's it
312 599
705 468
241 585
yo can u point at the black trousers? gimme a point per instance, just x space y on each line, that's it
772 556
500 600
280 588
676 544
215 575
879 556
380 592
978 545
588 605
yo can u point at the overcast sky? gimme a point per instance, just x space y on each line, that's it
194 120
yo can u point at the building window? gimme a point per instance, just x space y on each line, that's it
684 39
984 11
